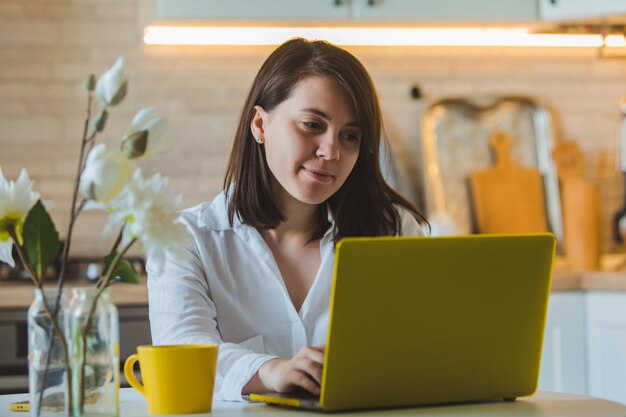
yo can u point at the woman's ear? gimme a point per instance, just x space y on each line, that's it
257 125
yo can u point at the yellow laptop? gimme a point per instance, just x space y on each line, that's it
419 320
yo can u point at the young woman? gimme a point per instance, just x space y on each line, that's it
303 173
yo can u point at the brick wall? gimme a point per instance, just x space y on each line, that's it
47 47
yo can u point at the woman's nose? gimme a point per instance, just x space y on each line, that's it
328 148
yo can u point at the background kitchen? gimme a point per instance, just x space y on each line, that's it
555 94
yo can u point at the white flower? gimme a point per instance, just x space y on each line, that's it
105 174
16 200
6 249
148 210
146 135
111 86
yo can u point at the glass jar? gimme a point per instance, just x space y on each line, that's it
94 353
47 366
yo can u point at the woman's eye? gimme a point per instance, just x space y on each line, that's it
312 125
352 137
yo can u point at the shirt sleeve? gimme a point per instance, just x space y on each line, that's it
181 312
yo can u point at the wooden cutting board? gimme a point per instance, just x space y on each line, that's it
508 197
580 204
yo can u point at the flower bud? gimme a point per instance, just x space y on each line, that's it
119 96
112 85
99 121
105 174
90 82
135 145
148 132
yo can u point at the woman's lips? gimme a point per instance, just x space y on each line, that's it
319 175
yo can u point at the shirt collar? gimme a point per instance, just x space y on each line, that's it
215 214
330 219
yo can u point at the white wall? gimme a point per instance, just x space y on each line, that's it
47 47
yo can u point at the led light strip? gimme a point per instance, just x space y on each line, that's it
362 36
615 41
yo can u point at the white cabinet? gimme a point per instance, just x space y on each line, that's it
252 9
580 9
584 350
564 355
348 10
606 324
445 10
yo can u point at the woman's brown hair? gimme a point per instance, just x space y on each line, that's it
363 206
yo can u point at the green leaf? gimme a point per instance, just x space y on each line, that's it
41 238
123 270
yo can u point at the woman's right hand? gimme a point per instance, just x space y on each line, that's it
303 371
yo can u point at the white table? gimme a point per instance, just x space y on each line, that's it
543 404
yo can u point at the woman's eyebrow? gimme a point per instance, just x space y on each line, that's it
317 112
324 115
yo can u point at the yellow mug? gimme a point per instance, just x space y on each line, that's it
177 379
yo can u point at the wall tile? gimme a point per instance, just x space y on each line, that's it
47 48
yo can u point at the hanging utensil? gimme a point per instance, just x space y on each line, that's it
619 218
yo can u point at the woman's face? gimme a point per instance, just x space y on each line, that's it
311 141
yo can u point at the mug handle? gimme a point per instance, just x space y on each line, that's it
130 374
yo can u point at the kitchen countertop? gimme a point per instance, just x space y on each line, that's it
610 277
589 281
20 294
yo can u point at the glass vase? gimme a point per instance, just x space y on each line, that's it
47 365
94 353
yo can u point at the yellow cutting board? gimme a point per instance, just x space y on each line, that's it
508 197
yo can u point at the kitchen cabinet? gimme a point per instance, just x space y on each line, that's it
363 11
606 324
444 10
584 349
252 9
563 359
350 11
580 9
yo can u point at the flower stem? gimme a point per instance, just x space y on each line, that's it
53 320
23 258
73 212
88 324
81 206
59 332
119 239
66 251
116 244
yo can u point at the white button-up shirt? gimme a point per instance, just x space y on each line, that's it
229 291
